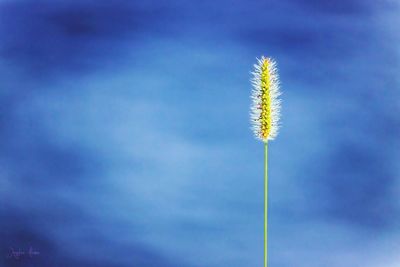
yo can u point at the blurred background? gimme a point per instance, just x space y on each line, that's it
125 140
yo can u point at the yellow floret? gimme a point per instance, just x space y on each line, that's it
265 116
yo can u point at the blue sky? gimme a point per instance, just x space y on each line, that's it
125 140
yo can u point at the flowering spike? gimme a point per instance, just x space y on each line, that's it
265 110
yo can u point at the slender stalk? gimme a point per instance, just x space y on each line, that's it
266 204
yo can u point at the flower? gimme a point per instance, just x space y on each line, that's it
265 109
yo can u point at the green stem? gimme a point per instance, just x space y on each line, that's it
266 205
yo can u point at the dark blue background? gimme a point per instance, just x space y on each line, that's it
125 141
